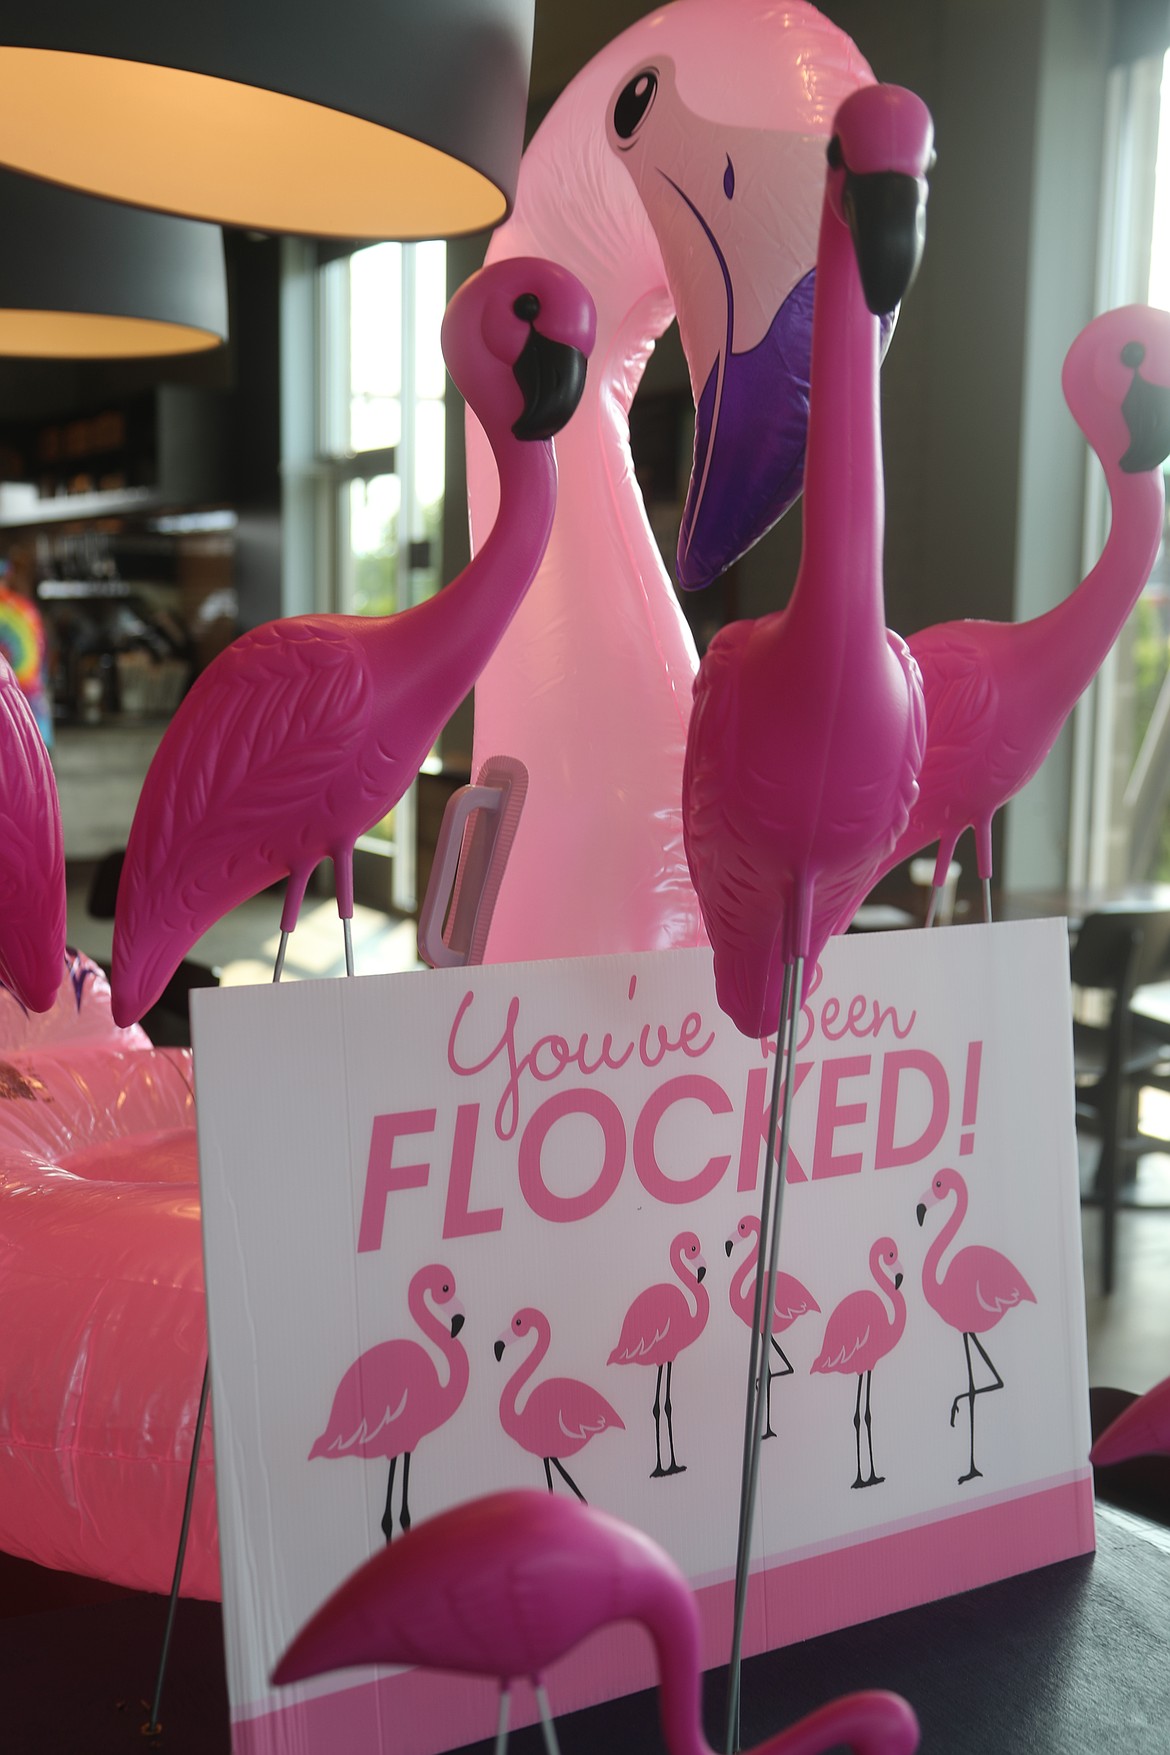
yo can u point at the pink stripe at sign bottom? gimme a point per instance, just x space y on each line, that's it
418 1712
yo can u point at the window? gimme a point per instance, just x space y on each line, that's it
1121 803
364 439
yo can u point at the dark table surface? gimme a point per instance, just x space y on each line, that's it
1074 1657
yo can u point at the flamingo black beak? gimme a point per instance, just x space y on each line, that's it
897 1282
922 1212
456 1324
700 1274
886 213
729 1245
498 1349
551 376
1146 411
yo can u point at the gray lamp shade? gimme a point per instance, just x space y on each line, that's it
82 278
329 118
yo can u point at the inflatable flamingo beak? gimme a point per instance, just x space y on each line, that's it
1146 411
886 214
551 376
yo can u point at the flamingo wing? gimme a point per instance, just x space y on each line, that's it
242 788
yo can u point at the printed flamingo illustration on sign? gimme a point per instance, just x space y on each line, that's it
32 878
859 1333
561 1414
393 1396
303 733
790 1301
657 1326
505 1585
978 1288
998 693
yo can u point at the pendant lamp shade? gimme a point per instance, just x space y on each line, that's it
82 278
329 118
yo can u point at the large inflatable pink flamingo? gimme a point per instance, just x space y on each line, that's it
561 1414
504 1586
977 1290
393 1395
859 1333
656 1328
790 1301
808 726
681 170
998 693
300 736
32 856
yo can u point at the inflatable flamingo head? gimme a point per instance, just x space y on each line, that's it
1116 382
880 152
682 171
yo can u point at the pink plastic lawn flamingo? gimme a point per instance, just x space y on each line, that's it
504 1586
32 858
808 725
998 693
657 1326
300 736
560 1415
1142 1429
792 1300
979 1287
393 1395
680 170
859 1333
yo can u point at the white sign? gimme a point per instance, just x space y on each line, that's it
468 1229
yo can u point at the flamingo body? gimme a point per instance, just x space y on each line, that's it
859 1334
808 725
680 171
998 693
393 1396
656 1328
32 856
791 1300
561 1414
305 732
505 1585
975 1292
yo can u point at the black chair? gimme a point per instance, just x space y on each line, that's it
1118 951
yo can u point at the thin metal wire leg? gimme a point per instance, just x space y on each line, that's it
181 1553
772 1197
932 910
546 1720
347 930
278 966
987 900
502 1721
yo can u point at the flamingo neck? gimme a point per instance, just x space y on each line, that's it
692 1283
671 1620
440 647
841 559
744 1277
1070 640
510 1401
438 1331
930 1274
898 1301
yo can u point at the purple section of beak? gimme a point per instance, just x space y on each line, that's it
749 452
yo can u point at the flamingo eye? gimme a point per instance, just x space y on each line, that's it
446 1289
1132 354
729 180
634 103
527 307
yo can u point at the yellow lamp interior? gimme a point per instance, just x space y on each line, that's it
75 335
209 149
